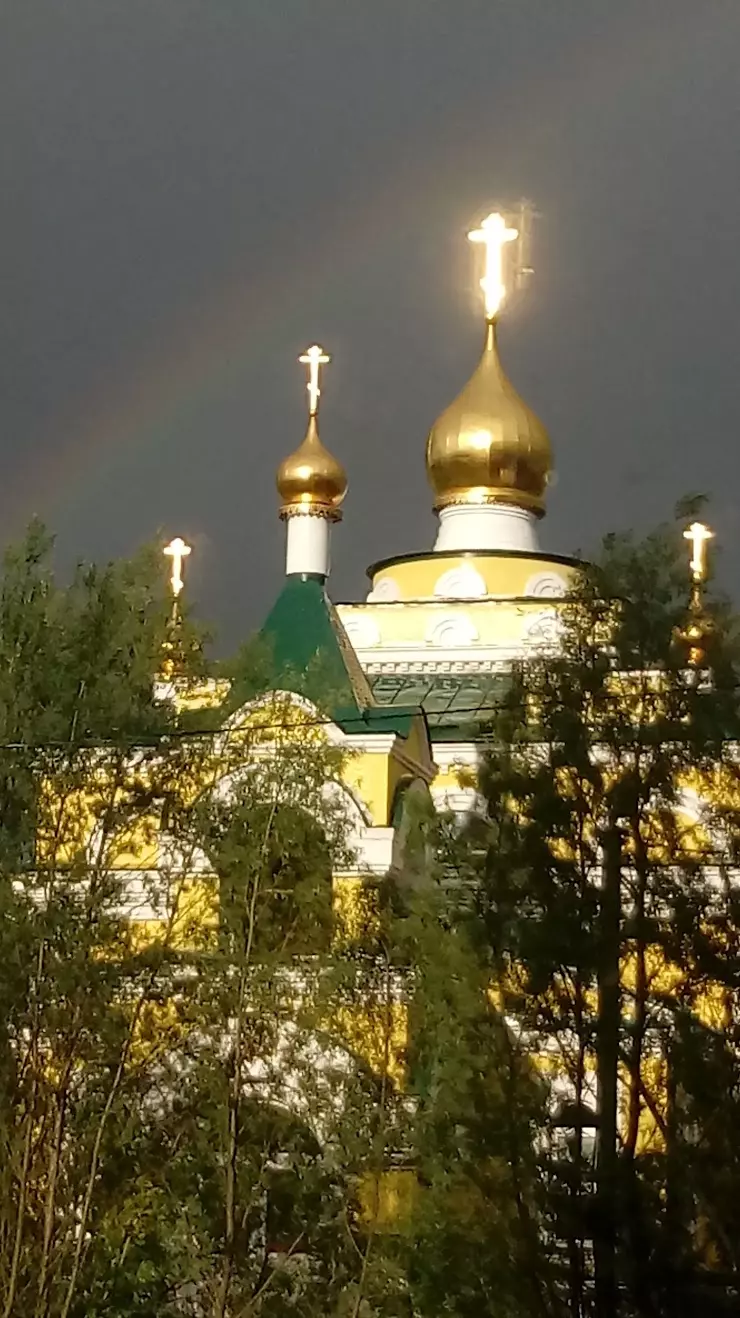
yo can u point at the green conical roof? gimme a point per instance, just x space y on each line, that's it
307 641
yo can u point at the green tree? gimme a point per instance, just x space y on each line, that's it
81 771
216 1096
605 864
473 1240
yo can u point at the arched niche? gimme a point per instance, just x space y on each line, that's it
412 817
274 864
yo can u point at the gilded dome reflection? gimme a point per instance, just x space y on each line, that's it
311 479
488 446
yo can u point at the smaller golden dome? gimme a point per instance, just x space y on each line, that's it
311 480
488 446
699 631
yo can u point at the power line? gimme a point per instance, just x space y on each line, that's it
378 712
195 734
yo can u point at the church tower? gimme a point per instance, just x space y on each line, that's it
311 484
441 628
488 455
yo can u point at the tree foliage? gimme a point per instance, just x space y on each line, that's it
222 1092
605 861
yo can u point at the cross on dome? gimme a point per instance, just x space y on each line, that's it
493 234
314 358
178 551
698 534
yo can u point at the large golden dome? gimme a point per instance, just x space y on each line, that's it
488 446
311 480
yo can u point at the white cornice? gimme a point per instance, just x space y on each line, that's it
455 659
370 743
449 754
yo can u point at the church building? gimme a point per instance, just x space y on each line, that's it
420 661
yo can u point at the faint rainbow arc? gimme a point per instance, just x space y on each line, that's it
221 331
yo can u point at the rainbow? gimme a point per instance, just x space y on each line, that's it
240 323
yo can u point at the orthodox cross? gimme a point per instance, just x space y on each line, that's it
698 534
314 358
178 551
494 234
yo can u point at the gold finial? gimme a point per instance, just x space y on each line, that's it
697 632
173 663
311 481
488 446
178 551
493 234
698 534
314 358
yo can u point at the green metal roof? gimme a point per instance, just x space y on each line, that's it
310 648
455 703
396 718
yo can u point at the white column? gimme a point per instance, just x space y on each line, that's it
307 544
469 527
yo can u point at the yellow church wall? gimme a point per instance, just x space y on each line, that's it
68 823
377 1031
186 913
387 1199
202 695
65 827
368 776
454 776
194 914
502 574
135 847
653 1104
709 1003
454 624
354 908
374 773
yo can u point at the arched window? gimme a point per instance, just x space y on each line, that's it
275 877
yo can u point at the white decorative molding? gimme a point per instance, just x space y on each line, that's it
546 585
461 801
361 631
453 662
192 861
460 583
453 629
165 691
544 630
372 849
384 590
451 756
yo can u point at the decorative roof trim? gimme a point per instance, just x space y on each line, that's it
384 563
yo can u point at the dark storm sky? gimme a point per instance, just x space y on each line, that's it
193 190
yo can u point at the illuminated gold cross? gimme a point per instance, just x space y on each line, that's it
314 358
698 534
494 235
178 551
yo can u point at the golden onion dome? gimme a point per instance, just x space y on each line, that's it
311 480
488 446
